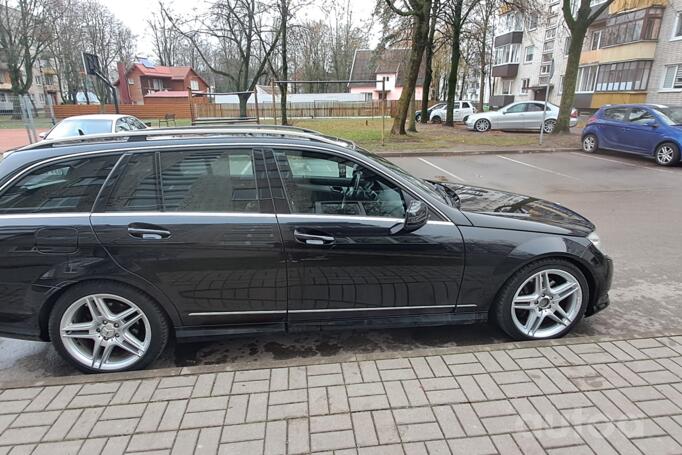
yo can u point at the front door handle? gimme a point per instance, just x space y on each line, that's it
313 239
148 232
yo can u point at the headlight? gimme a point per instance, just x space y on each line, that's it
596 241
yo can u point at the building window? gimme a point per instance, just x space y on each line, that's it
545 68
643 24
552 21
532 21
511 22
673 77
3 98
567 45
677 30
508 53
530 51
194 84
615 77
506 88
595 42
548 46
587 76
525 83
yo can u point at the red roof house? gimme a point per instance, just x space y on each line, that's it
149 83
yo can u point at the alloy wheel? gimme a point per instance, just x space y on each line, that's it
546 303
665 154
105 332
549 126
589 144
482 125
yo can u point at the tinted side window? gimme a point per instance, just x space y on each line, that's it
209 181
617 114
323 184
535 107
465 105
137 189
68 186
518 108
640 116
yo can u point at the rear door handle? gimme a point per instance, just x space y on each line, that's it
313 239
148 232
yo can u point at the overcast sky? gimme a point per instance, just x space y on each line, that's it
134 13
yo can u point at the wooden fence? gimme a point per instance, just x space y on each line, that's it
316 109
141 111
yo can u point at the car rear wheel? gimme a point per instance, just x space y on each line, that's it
436 119
482 125
667 154
543 300
590 143
549 126
107 327
418 117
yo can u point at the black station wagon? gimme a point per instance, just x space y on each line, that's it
110 244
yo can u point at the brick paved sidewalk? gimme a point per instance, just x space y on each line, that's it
572 397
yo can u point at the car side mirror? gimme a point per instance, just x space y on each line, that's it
652 124
416 216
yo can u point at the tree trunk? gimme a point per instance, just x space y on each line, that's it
412 128
419 38
570 77
243 100
454 63
285 66
428 66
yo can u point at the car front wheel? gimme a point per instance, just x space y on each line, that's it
667 154
482 125
549 126
106 327
436 119
542 300
590 143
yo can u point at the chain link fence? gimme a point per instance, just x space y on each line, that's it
29 113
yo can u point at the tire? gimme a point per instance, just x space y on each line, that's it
590 143
549 126
124 343
436 119
517 322
667 154
482 125
418 117
464 120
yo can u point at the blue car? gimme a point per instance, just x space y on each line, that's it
645 129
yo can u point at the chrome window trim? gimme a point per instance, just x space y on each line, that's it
5 216
185 214
180 147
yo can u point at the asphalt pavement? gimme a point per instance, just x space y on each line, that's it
634 203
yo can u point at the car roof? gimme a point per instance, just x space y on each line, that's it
97 117
649 105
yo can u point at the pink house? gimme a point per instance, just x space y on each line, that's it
387 64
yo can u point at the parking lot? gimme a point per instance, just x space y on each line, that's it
635 204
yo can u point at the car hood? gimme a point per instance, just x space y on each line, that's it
486 207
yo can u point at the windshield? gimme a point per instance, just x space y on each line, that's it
422 184
670 115
69 128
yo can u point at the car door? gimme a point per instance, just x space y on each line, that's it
611 128
338 219
457 112
199 225
641 131
512 117
533 116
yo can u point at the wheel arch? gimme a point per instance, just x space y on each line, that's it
665 140
167 308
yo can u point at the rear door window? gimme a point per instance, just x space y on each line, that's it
465 105
67 186
616 114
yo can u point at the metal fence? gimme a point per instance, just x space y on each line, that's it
24 112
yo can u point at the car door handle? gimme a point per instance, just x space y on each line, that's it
313 239
148 233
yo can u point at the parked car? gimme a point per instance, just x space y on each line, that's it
522 115
462 110
81 125
111 248
418 114
646 129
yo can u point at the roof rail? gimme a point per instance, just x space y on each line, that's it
191 132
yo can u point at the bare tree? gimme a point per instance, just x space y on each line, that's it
65 51
577 22
419 11
428 62
244 37
165 39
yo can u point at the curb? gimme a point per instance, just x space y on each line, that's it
269 364
397 154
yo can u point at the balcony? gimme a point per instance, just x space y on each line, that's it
508 38
506 71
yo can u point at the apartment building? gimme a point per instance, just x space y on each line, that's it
524 48
666 75
44 84
632 53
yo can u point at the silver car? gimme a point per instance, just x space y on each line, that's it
522 115
81 125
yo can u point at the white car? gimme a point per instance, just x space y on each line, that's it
462 110
82 125
522 115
